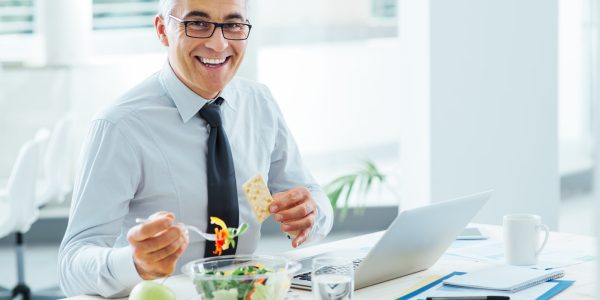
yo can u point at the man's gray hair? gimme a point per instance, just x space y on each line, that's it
165 7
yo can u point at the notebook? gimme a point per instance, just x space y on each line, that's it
543 291
504 278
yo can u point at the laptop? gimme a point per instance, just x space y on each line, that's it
413 242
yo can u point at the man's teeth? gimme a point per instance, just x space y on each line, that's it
212 61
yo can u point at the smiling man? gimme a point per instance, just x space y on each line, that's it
178 147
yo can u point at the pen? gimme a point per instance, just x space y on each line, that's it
470 298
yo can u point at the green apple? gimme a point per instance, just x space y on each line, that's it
150 290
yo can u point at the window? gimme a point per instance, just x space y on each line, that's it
16 17
286 22
384 21
123 14
321 61
385 9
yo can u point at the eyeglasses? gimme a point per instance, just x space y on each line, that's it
205 29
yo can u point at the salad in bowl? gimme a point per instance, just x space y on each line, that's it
242 277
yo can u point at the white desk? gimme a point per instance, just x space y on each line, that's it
583 274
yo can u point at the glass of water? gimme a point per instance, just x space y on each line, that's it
332 278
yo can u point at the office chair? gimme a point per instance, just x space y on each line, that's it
18 209
56 180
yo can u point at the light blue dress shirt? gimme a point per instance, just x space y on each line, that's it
147 152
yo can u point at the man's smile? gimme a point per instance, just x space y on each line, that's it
212 62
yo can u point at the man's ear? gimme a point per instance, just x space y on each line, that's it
161 30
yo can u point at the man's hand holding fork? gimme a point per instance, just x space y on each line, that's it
157 245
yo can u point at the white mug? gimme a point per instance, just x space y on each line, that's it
522 238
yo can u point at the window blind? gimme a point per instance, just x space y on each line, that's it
123 14
16 16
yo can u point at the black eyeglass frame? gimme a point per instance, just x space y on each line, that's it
216 24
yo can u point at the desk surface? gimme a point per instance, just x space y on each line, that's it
583 274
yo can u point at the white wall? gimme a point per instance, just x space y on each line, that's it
596 130
414 118
342 104
335 96
492 103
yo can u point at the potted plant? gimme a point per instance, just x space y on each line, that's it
356 184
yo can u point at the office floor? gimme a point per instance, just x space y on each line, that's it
575 217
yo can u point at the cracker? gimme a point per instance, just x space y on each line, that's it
258 195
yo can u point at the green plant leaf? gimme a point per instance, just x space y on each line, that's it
335 195
358 184
347 195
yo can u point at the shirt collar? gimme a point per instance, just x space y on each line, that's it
187 102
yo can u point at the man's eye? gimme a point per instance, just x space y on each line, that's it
232 26
198 24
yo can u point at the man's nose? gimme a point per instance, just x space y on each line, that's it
217 41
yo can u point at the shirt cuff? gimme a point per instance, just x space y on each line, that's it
317 232
121 265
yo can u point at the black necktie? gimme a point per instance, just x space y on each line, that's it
220 174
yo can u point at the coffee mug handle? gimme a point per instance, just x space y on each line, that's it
547 230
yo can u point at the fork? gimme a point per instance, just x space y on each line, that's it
207 236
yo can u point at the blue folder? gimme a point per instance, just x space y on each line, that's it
561 286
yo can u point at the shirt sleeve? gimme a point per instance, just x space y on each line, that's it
288 171
89 262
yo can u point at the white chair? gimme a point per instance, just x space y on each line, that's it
17 202
18 209
56 180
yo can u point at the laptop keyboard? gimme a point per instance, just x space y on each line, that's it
307 276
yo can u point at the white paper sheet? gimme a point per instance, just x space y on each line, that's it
560 255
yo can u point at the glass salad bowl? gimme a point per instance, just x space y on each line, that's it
242 277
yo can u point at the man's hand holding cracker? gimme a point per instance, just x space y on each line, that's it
296 210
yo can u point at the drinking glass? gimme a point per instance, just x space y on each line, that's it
332 278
